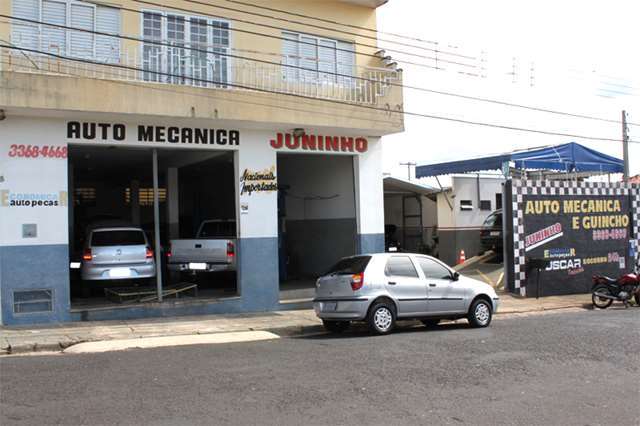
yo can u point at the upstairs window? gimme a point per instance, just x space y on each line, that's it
485 204
319 59
67 42
196 54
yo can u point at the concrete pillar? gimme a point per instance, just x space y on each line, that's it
369 197
134 193
72 206
173 204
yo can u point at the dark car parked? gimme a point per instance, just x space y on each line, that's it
491 232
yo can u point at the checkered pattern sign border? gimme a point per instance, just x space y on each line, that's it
520 188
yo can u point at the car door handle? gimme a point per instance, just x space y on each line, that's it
392 283
198 245
432 285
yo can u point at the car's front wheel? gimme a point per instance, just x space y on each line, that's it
480 313
382 318
335 326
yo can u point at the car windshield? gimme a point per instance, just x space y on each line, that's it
490 221
350 265
218 230
117 238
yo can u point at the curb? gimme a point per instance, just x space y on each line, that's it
286 331
543 309
296 330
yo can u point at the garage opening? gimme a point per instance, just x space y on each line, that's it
112 233
316 219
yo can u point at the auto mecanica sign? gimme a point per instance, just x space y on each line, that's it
575 233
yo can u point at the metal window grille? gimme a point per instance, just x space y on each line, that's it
32 301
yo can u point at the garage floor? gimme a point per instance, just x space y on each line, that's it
490 271
103 180
297 289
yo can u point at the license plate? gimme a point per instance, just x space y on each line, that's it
494 233
197 266
330 306
120 272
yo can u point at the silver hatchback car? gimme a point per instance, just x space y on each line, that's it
382 288
117 253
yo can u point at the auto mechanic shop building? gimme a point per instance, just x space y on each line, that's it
165 117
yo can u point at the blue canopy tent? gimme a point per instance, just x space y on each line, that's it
569 157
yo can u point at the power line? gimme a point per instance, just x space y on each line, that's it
244 21
336 74
374 31
329 21
291 21
385 110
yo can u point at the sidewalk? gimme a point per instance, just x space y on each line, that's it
55 338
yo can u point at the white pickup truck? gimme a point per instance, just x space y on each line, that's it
213 249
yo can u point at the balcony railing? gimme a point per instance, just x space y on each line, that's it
182 66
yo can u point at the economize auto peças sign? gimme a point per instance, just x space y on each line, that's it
577 237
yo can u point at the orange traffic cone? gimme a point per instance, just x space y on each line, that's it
462 257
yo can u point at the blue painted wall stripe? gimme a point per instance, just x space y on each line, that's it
35 267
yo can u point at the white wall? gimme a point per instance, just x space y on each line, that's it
254 153
32 175
446 216
369 189
320 186
466 188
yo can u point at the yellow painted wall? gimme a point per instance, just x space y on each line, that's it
5 30
244 41
85 93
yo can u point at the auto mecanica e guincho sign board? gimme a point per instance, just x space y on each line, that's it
576 236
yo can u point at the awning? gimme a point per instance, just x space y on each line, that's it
567 157
399 186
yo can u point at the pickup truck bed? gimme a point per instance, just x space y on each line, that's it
205 253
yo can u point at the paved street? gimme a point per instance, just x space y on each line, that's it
571 368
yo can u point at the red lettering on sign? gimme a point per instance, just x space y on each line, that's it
291 144
309 142
362 145
346 144
277 143
320 143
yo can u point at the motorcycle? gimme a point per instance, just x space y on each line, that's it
606 290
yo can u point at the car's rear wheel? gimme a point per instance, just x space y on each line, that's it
428 322
381 318
480 313
335 326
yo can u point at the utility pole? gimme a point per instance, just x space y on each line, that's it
409 164
625 146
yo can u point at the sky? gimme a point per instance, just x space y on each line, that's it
571 56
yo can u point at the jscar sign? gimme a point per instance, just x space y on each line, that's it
319 143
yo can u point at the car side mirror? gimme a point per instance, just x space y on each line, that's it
455 276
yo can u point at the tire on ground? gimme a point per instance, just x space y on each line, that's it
599 302
382 317
480 313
